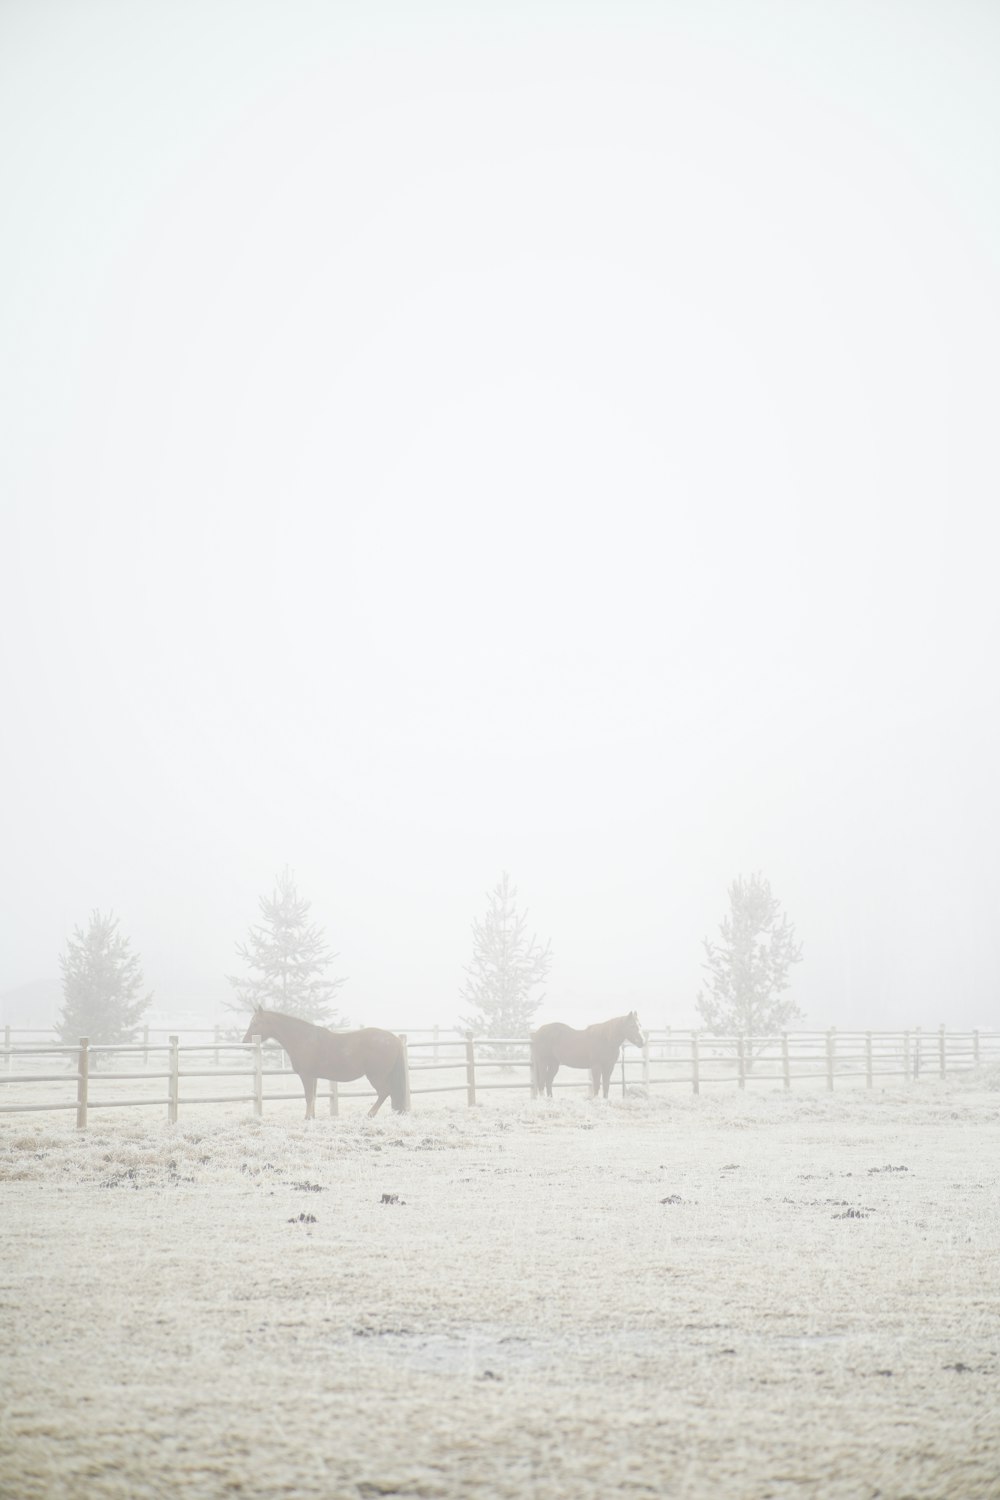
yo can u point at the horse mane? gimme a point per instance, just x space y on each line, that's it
614 1021
297 1023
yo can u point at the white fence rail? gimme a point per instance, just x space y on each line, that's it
15 1037
444 1063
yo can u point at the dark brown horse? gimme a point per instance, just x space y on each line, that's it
316 1052
596 1047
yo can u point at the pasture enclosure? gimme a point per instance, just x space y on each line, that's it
733 1295
176 1074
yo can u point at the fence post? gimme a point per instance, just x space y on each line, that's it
830 1044
173 1085
406 1075
470 1068
906 1057
258 1076
741 1063
6 1044
975 1049
82 1075
869 1069
334 1097
695 1073
942 1051
145 1046
916 1055
786 1071
645 1064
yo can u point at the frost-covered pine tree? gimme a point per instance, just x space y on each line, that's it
288 958
506 969
748 972
102 985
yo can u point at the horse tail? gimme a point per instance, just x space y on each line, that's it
536 1081
399 1083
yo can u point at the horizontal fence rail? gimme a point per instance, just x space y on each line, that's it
443 1062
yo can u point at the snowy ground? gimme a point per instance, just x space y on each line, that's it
726 1296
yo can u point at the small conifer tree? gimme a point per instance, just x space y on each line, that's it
102 985
748 972
288 957
506 969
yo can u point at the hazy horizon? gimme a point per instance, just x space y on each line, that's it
551 440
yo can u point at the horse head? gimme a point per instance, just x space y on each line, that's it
633 1031
257 1027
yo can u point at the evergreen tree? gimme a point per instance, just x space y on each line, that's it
749 970
288 957
102 985
507 967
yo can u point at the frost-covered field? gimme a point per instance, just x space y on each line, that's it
757 1295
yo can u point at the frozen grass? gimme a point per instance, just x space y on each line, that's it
728 1296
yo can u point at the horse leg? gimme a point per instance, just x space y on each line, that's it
382 1092
595 1082
550 1073
606 1078
309 1085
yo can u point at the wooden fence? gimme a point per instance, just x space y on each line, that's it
444 1063
220 1035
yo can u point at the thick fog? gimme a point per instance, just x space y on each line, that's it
444 439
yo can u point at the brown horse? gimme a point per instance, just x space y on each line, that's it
317 1052
597 1048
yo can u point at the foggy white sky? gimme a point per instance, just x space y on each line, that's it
447 438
